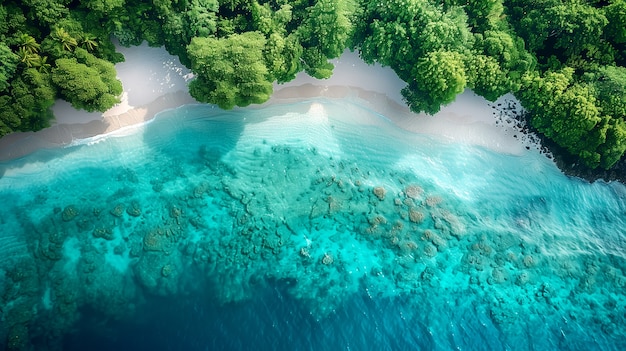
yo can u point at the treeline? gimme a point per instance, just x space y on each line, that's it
50 50
577 94
562 58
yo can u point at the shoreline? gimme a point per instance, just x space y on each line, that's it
446 124
160 84
470 119
17 145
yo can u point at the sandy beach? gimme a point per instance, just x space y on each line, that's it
155 81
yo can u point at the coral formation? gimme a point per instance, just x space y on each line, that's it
522 278
408 246
104 233
201 189
416 216
413 192
430 250
380 192
118 210
134 209
432 201
327 259
304 252
69 213
529 261
156 240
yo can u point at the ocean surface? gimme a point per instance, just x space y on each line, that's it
315 225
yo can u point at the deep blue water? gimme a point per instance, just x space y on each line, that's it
305 226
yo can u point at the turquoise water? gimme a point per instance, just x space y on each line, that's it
311 225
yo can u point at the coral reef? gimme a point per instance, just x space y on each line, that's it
325 225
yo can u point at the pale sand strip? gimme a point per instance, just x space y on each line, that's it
150 74
20 144
470 119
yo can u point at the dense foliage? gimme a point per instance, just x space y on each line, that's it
564 59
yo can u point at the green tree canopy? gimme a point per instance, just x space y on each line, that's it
561 28
615 146
282 57
444 31
87 82
48 11
201 18
27 104
439 77
389 33
609 83
483 15
8 65
567 112
230 71
103 7
485 77
615 13
325 34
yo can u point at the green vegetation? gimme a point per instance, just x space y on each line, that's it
231 71
576 94
564 59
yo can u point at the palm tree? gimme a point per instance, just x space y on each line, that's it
27 58
28 43
89 42
64 39
42 65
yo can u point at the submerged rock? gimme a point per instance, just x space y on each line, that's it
166 271
176 212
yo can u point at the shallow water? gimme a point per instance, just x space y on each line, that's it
307 226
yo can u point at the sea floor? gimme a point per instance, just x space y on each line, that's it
311 225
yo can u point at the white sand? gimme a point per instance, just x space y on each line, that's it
147 74
351 71
154 81
469 119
